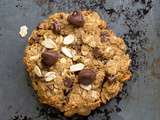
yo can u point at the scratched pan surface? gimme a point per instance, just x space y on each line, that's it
138 21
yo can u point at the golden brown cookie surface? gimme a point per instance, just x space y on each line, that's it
76 62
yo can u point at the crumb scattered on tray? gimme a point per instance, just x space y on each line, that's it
23 30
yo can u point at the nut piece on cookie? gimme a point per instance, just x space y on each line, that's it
76 19
49 57
86 76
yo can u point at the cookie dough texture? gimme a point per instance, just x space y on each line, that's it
61 57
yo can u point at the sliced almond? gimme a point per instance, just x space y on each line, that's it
86 87
76 67
68 52
23 30
49 76
68 39
48 43
37 71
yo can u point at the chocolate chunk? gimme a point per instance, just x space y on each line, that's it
86 76
68 82
76 19
97 53
56 27
77 47
49 57
104 36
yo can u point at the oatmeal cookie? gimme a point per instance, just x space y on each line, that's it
76 62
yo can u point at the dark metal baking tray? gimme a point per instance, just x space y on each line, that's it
138 21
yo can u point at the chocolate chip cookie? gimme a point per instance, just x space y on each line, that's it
76 62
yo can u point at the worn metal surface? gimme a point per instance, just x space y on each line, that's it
138 21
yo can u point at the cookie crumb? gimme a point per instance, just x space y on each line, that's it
23 30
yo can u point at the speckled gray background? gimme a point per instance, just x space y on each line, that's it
138 21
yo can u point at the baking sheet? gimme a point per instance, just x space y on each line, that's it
138 21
